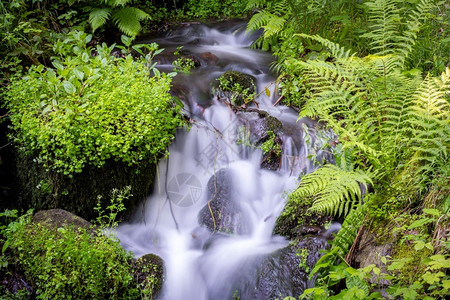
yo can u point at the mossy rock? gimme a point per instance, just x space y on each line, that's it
296 221
236 86
56 218
41 189
149 274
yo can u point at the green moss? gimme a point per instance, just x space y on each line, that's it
238 87
413 267
78 194
149 274
295 216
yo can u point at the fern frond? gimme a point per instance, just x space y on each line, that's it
128 19
98 17
116 3
274 26
335 191
336 50
413 24
384 18
431 123
258 20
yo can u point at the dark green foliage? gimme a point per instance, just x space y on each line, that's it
65 258
215 9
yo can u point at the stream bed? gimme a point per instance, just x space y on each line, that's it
215 202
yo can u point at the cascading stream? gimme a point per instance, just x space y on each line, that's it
212 160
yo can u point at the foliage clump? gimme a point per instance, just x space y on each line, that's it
91 107
239 88
63 260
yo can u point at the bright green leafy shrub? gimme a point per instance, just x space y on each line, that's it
92 107
67 261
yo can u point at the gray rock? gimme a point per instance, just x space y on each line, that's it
56 218
222 214
283 273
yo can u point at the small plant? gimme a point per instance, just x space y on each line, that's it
270 146
237 87
183 64
303 254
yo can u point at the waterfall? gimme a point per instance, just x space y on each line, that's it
210 160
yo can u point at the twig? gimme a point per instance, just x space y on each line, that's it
6 145
278 101
167 196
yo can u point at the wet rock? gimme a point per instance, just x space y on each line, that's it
222 214
180 91
283 273
209 58
296 220
148 272
264 128
260 123
237 87
56 218
14 285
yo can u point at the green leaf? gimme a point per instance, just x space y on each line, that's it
69 87
126 40
128 19
420 223
79 74
446 284
5 246
438 261
432 211
432 278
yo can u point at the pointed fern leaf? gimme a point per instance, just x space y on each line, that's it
128 19
335 191
98 17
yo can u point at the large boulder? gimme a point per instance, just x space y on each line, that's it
221 213
43 189
237 87
56 218
283 273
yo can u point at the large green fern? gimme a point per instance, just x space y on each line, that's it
128 19
335 191
389 120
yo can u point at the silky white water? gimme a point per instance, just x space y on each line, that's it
200 263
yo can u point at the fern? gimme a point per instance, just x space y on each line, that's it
98 17
387 35
335 191
343 240
128 19
431 125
